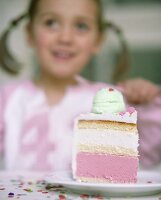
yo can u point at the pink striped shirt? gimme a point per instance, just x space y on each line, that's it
36 136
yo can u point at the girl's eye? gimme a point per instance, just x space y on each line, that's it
51 23
82 27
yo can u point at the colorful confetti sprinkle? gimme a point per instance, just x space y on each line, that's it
28 190
131 110
84 196
111 89
44 192
39 190
149 181
11 194
122 113
62 197
31 190
30 183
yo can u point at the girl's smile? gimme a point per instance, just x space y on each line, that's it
62 55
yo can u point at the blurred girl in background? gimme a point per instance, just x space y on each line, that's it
36 115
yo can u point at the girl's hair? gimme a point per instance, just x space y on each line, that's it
8 62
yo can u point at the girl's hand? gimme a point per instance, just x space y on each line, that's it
139 90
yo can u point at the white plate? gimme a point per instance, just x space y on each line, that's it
149 183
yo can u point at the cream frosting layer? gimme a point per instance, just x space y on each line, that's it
126 117
115 150
107 138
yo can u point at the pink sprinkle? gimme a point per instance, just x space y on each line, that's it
111 89
62 197
84 196
39 190
122 113
44 192
131 110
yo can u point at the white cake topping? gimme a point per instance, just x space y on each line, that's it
126 117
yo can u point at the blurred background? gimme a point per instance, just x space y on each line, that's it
141 24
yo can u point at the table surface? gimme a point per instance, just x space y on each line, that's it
26 186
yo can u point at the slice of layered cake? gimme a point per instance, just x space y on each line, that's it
106 141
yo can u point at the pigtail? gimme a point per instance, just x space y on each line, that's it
7 60
122 65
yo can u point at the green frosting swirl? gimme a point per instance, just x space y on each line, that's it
108 100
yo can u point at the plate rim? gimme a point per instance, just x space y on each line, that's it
72 182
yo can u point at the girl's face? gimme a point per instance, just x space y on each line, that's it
65 35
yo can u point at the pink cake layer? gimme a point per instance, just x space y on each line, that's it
118 169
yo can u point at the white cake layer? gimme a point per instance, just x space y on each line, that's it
107 137
126 117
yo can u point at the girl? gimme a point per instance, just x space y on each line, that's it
36 116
